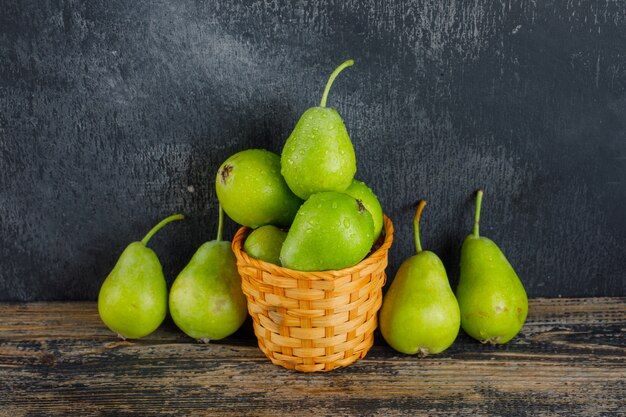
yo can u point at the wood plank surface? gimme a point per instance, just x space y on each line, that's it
59 359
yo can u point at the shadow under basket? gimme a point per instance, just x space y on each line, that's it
314 321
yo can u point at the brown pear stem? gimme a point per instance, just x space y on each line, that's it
416 224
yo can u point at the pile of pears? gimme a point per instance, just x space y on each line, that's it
309 213
307 210
420 313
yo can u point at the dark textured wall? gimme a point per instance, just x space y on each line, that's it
114 114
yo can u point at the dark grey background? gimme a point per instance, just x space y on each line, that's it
114 114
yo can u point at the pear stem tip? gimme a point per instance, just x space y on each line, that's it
331 79
159 226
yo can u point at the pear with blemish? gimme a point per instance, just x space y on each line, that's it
491 296
365 195
331 231
252 192
419 313
206 301
133 299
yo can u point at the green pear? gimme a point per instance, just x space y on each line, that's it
331 231
133 298
491 296
265 243
252 192
362 192
419 313
206 301
318 155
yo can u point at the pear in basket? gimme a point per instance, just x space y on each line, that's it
265 243
331 230
365 195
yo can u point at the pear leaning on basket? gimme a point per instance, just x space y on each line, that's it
206 301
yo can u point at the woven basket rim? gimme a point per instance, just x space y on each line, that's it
372 258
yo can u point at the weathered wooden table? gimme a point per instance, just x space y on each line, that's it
58 359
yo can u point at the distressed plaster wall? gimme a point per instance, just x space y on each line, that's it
114 114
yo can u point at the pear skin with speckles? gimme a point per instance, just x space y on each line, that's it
491 297
132 301
363 193
206 301
420 314
252 191
318 156
265 243
331 231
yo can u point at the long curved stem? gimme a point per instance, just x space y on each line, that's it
160 225
220 223
479 203
331 79
416 224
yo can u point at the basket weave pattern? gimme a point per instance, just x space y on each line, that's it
314 321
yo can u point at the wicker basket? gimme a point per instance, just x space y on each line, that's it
314 321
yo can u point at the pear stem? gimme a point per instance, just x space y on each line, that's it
416 224
220 223
479 203
332 77
160 225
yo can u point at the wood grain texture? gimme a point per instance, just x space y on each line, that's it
115 113
58 359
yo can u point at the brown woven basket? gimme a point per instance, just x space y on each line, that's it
314 321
